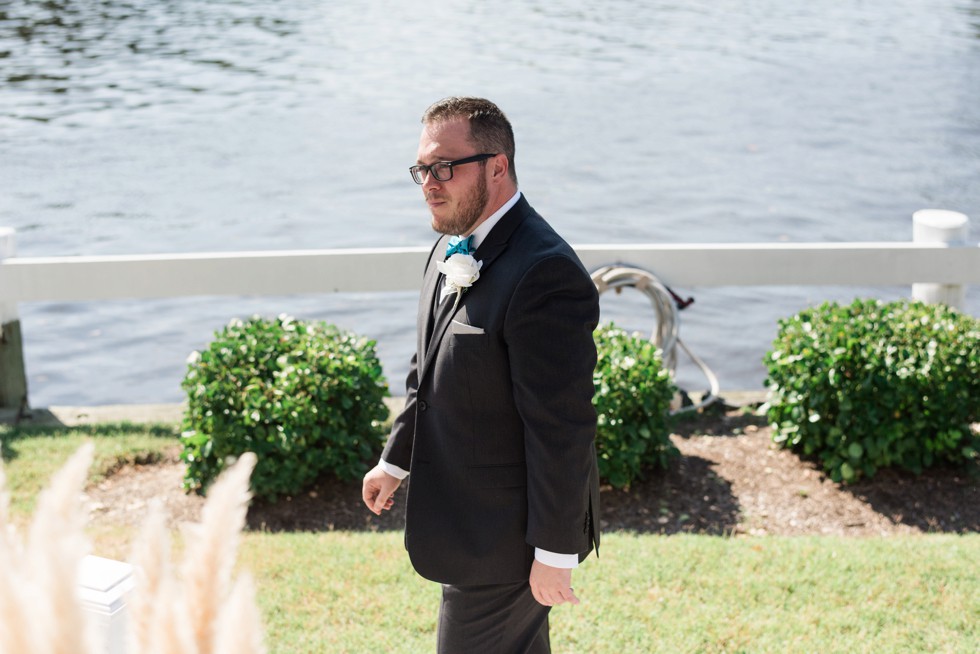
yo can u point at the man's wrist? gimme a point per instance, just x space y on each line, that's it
393 470
554 559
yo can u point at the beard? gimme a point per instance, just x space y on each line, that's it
470 209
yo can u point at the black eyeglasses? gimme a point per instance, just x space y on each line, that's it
443 170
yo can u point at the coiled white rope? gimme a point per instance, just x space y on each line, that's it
666 333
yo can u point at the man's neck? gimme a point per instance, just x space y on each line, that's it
505 194
480 232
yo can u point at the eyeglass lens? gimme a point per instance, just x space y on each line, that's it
442 171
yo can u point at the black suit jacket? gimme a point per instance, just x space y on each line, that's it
498 428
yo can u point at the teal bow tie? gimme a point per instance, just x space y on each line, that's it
458 245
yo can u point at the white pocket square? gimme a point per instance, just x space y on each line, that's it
463 328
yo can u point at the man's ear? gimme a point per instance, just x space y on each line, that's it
499 165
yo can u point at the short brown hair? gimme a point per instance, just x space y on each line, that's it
490 130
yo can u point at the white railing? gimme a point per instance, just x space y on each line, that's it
938 264
41 279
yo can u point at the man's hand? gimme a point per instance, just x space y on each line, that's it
551 586
378 489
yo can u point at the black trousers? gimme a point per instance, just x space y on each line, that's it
497 619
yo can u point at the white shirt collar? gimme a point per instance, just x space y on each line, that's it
481 232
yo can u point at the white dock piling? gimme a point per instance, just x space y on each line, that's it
940 226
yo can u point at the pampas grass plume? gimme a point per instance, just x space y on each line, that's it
4 501
40 609
170 628
239 627
55 548
150 558
210 557
18 631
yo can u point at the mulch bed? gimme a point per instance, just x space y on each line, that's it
729 480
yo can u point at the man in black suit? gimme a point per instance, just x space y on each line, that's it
498 427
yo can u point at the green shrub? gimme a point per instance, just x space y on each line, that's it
305 397
633 391
871 385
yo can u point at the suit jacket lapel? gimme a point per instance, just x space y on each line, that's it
491 248
499 236
429 297
443 316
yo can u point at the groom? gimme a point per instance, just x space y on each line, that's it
498 427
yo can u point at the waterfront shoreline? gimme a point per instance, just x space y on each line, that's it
173 413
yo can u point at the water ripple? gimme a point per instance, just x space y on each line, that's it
196 125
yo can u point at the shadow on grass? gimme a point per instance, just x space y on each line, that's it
11 435
101 429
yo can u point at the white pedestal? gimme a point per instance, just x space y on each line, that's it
103 586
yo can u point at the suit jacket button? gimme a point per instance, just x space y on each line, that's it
423 405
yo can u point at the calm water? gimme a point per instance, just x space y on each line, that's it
204 125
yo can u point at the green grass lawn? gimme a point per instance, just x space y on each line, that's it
356 592
344 592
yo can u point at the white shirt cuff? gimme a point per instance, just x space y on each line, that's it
554 559
392 470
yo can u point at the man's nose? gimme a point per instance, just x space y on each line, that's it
429 180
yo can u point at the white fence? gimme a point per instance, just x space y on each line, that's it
938 263
35 279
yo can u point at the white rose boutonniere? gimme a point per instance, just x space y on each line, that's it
461 271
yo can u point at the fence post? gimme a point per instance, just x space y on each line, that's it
13 380
940 226
104 587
